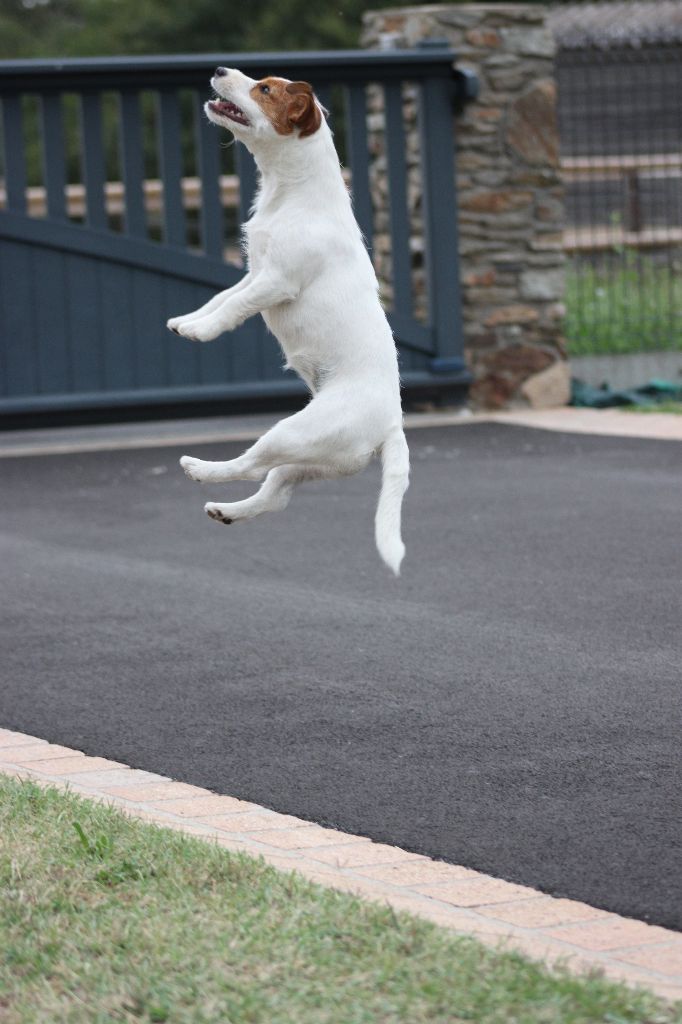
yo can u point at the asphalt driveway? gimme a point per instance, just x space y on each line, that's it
511 703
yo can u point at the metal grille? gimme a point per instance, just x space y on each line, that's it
620 118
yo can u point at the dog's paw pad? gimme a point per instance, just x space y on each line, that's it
215 513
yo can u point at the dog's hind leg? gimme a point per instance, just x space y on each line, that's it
320 434
221 472
273 496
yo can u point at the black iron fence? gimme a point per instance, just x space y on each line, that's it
120 205
620 119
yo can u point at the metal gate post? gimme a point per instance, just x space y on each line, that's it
438 99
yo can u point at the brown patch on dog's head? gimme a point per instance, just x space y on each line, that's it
288 105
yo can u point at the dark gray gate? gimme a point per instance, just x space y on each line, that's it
122 206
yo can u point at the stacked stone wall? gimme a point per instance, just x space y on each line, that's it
510 196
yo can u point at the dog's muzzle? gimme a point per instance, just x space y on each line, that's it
230 110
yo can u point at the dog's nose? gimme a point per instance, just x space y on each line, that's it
219 72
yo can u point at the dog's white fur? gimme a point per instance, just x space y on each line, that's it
310 276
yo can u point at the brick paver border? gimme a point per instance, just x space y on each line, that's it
496 912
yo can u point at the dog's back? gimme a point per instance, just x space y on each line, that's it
336 321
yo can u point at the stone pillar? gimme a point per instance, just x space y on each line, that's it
509 192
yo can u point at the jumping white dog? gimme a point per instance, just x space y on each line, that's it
310 276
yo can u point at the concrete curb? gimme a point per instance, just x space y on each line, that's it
496 912
165 434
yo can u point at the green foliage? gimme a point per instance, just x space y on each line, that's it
300 25
118 869
672 407
74 28
630 304
79 28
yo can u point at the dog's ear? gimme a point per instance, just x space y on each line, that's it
303 111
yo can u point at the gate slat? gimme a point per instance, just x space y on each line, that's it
356 130
85 324
324 95
214 361
15 159
93 160
397 196
208 152
441 248
132 153
210 363
183 357
174 230
118 326
53 155
52 326
18 323
151 348
246 169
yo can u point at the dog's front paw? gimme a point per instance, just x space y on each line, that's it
198 330
215 511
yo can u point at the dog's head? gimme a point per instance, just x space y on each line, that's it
270 108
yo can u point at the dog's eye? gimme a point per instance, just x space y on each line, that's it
265 89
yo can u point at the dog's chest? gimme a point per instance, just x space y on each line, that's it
256 242
267 232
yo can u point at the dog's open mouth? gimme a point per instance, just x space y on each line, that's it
230 110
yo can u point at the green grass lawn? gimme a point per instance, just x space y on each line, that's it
632 306
105 919
674 407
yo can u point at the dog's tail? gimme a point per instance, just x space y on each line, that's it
395 460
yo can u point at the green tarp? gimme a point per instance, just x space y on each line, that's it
656 391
